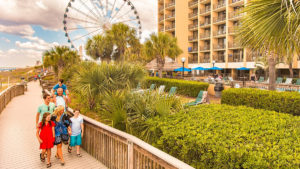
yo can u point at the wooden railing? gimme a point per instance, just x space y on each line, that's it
119 150
8 94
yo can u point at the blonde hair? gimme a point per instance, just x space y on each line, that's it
57 112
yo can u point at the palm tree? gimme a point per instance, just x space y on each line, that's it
60 57
99 47
159 46
272 28
123 37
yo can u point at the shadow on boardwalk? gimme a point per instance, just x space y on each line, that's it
19 147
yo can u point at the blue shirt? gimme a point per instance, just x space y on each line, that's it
76 125
63 86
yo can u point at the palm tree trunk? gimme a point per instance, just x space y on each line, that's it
291 69
272 71
160 65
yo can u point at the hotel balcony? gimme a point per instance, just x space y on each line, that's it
235 15
220 33
170 17
234 45
193 59
193 4
220 47
219 58
161 9
161 19
220 6
193 15
161 1
193 38
205 11
220 19
235 58
170 5
205 60
170 27
161 29
193 26
204 48
205 36
204 1
236 2
193 50
205 24
232 30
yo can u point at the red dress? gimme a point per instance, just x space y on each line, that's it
46 135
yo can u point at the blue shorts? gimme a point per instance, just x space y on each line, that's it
75 140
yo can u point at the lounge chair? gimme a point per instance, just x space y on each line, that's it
279 80
198 99
152 87
172 91
298 82
288 81
261 79
161 89
230 79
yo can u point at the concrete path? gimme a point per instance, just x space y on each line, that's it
19 147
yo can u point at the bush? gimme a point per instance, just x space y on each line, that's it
222 136
184 87
287 102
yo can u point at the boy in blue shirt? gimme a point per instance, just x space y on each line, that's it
64 87
77 132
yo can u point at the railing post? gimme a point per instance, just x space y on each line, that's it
130 154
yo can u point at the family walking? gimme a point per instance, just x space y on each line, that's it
55 126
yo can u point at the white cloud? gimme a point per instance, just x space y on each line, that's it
19 58
35 44
5 39
21 30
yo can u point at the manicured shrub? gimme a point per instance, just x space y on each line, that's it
223 136
184 87
286 102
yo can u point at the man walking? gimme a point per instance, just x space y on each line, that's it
45 107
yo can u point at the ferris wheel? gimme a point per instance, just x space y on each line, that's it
85 18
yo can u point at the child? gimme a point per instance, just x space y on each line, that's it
77 132
45 135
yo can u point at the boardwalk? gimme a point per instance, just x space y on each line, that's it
19 147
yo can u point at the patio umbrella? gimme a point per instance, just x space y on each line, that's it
242 68
181 68
215 68
199 68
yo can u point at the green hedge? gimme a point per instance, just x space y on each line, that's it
223 136
286 102
184 87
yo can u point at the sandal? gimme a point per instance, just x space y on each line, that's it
62 163
42 158
49 165
79 155
69 149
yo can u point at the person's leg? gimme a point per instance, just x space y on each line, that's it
48 155
59 152
43 154
78 143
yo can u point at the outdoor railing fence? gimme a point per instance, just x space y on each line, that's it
8 94
119 150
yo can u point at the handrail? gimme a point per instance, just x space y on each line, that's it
9 93
137 154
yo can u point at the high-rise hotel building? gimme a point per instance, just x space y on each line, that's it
206 32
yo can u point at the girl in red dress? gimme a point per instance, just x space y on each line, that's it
45 134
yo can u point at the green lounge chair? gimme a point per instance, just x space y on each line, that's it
152 87
279 80
298 82
261 79
197 101
172 91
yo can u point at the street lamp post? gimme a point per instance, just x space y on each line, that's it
183 60
213 62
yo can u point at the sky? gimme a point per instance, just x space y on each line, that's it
29 27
